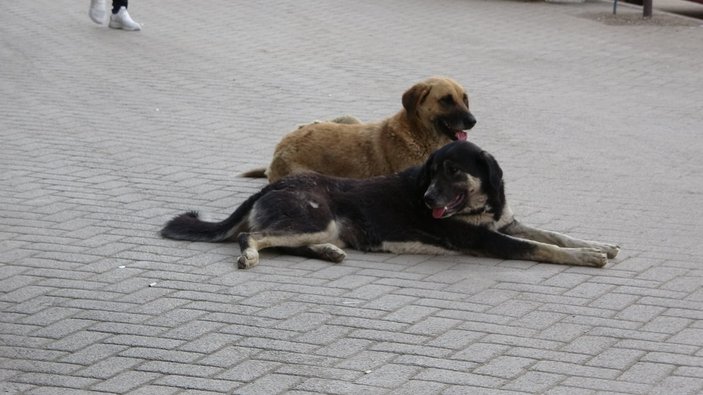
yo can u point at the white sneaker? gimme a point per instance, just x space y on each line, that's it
97 11
122 20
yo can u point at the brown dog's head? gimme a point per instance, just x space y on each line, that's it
441 105
461 178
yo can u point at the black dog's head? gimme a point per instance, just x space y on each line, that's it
461 178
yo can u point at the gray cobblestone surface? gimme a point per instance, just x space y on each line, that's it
107 134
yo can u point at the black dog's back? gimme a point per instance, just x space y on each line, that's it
377 209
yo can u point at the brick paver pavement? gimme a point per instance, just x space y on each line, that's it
107 134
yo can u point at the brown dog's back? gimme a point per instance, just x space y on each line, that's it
435 112
318 147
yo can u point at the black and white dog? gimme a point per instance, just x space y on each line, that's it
454 203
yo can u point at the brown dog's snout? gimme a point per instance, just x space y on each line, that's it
469 121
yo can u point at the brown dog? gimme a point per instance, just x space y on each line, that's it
435 112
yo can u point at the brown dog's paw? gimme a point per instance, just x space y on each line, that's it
315 122
347 120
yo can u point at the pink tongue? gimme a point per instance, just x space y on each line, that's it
438 212
461 135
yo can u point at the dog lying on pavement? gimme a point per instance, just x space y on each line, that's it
435 112
454 203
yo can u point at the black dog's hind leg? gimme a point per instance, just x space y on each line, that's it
326 252
318 243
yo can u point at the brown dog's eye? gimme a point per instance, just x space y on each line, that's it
466 100
447 100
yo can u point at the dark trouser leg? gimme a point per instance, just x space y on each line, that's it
116 4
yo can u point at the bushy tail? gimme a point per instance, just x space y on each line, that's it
188 226
255 173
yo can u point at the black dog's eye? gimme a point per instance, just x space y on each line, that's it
447 100
453 170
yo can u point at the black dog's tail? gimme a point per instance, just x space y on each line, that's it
255 173
188 226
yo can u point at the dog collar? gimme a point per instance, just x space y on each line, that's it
481 210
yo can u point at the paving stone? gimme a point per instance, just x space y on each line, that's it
337 387
689 336
108 367
646 373
270 384
607 385
125 381
320 372
616 358
344 348
366 360
640 313
49 390
563 332
53 380
93 353
155 354
388 302
413 387
481 352
401 348
656 346
194 384
248 371
680 385
433 362
458 378
324 335
574 370
36 366
588 344
674 359
455 339
548 355
389 376
534 382
155 390
271 344
614 301
297 358
388 336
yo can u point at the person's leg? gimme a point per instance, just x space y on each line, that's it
117 4
120 18
97 11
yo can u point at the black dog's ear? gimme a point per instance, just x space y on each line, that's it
495 173
426 172
414 96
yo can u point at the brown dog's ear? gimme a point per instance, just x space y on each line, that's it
414 96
